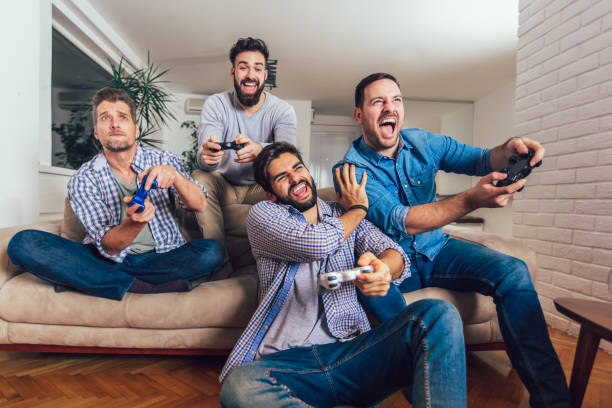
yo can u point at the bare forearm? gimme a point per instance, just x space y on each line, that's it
351 220
431 216
119 237
394 261
499 157
191 195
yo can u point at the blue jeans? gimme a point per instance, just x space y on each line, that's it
421 347
464 266
79 266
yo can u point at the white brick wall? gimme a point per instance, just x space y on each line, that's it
564 100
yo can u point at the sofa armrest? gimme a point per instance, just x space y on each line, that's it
7 269
508 246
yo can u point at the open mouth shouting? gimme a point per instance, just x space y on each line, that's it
249 86
300 191
387 126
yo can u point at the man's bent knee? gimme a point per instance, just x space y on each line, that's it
515 274
211 252
438 314
237 388
21 245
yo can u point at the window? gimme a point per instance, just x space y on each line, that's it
74 79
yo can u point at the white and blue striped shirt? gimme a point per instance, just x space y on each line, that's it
95 199
281 239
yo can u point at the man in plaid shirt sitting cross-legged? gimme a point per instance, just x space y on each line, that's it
124 249
306 346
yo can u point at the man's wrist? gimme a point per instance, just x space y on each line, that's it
358 207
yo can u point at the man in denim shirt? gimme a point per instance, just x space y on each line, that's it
310 347
401 166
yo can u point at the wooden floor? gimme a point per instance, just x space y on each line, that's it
67 381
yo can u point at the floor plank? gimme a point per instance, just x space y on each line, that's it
73 380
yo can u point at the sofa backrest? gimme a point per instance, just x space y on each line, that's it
71 226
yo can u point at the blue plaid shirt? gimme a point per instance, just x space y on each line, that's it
94 197
281 240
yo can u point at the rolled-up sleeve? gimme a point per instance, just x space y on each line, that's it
95 215
175 162
456 157
385 208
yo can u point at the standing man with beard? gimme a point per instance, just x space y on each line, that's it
310 347
248 116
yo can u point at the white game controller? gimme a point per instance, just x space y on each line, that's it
332 280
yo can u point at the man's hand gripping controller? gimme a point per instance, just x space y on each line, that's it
518 168
141 194
332 280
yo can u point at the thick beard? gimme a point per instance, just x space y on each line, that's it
248 100
301 207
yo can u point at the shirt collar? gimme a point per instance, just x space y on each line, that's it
323 207
374 156
139 163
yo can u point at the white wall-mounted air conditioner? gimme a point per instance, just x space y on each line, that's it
193 106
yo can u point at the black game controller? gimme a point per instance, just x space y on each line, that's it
228 146
518 168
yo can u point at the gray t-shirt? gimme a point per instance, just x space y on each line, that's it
301 321
144 241
222 116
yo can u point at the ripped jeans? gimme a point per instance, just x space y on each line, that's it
422 347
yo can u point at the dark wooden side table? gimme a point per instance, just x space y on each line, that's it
595 320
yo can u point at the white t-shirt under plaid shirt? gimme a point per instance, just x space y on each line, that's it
95 199
281 239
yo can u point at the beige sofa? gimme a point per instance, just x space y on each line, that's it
208 319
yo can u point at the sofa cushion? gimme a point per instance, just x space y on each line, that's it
224 303
71 226
473 307
113 337
28 299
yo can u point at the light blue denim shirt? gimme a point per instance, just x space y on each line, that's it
396 184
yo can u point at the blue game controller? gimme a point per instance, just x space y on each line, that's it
141 194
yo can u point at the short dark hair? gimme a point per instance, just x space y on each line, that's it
263 159
248 44
112 95
360 88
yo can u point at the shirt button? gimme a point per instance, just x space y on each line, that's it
278 304
419 182
266 327
405 185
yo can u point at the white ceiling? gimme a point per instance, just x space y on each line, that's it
438 49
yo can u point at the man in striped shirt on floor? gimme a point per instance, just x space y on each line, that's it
305 346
